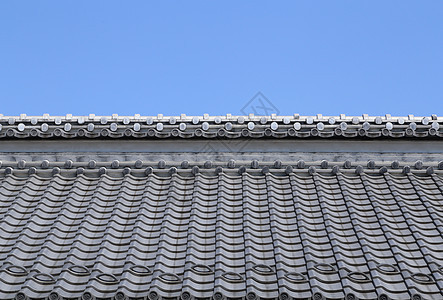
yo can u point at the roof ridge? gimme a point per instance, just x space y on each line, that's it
208 117
228 126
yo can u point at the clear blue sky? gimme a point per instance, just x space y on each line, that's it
198 57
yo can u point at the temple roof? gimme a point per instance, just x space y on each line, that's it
185 219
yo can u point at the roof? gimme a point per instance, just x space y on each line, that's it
228 126
329 219
274 234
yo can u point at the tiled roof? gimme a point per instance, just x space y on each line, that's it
290 230
199 219
228 126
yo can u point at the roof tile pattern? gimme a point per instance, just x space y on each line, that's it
222 236
228 126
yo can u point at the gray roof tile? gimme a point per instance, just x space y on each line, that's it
296 236
217 127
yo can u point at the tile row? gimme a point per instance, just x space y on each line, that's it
219 126
162 167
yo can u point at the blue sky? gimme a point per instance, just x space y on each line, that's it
198 57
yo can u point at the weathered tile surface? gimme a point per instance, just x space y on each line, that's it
224 236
